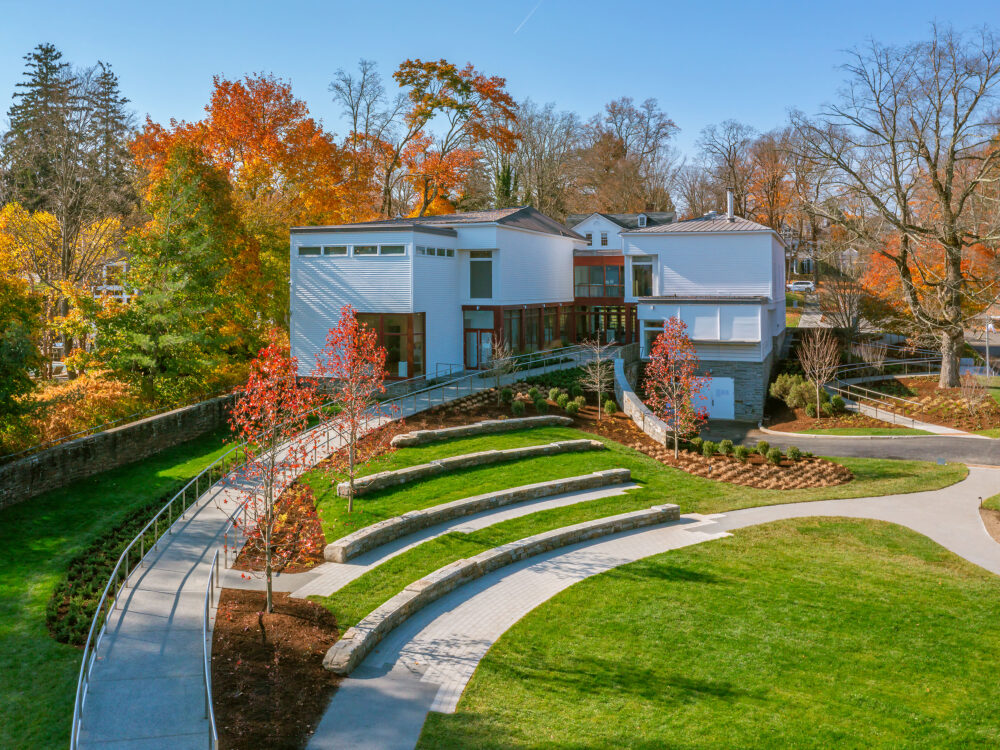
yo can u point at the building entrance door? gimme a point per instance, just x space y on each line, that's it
478 348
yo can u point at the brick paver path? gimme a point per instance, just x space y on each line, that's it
425 663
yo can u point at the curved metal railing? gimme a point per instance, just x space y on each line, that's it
178 505
206 634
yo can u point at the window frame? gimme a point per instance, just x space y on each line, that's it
604 239
328 248
401 247
310 248
357 250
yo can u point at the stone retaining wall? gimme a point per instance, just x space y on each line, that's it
633 407
357 642
486 427
383 479
385 531
70 462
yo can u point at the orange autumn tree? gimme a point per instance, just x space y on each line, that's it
473 109
284 169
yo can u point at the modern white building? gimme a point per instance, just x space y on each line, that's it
724 276
440 290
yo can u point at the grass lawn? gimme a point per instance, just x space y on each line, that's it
659 484
867 431
810 633
993 432
37 674
992 503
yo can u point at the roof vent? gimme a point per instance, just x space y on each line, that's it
729 205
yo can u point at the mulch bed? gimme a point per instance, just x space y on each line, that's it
786 419
269 688
991 520
940 406
299 528
788 475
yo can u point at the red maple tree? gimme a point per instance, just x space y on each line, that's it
672 385
353 363
270 419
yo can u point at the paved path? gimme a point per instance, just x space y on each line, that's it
426 663
146 686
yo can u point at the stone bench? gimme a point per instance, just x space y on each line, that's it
358 641
372 482
380 533
486 427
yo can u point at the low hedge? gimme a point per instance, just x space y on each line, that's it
71 607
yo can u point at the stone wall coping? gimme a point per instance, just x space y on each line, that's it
383 479
387 530
352 648
485 427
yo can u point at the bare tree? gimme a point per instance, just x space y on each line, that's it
973 394
873 354
842 301
819 354
546 160
503 362
911 145
598 373
697 192
726 149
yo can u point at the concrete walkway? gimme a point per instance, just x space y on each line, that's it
425 664
146 686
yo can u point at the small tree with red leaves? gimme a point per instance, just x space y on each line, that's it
270 419
354 364
672 387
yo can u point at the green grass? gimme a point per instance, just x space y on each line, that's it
992 503
811 633
659 484
993 432
866 431
38 537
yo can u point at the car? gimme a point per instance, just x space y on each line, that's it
802 286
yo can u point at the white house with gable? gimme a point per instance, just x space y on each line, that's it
724 276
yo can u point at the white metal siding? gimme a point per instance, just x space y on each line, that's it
529 268
435 293
740 323
595 225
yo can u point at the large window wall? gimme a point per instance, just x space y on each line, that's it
403 336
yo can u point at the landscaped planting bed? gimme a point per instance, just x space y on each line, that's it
783 418
811 633
940 406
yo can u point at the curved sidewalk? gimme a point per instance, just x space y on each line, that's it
146 688
426 663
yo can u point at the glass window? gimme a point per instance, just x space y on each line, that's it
478 319
481 279
531 322
642 220
421 250
481 254
392 249
642 279
550 333
604 239
366 249
512 329
590 238
335 250
442 252
310 250
450 252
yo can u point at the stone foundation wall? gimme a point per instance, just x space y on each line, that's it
750 383
70 462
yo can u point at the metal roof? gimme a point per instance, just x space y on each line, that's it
519 217
711 222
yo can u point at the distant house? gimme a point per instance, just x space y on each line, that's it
440 290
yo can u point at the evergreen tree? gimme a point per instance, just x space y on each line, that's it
506 187
110 126
38 118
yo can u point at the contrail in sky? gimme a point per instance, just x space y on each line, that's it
530 14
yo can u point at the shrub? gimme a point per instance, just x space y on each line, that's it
506 395
610 407
561 400
572 408
726 447
802 393
762 447
793 453
827 409
708 449
839 406
742 453
696 443
810 409
575 390
541 406
554 394
517 408
580 401
533 393
774 456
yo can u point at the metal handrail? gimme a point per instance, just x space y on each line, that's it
213 578
232 455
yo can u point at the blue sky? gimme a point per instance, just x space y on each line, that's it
749 61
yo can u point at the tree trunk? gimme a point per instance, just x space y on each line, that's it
951 348
677 451
818 412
